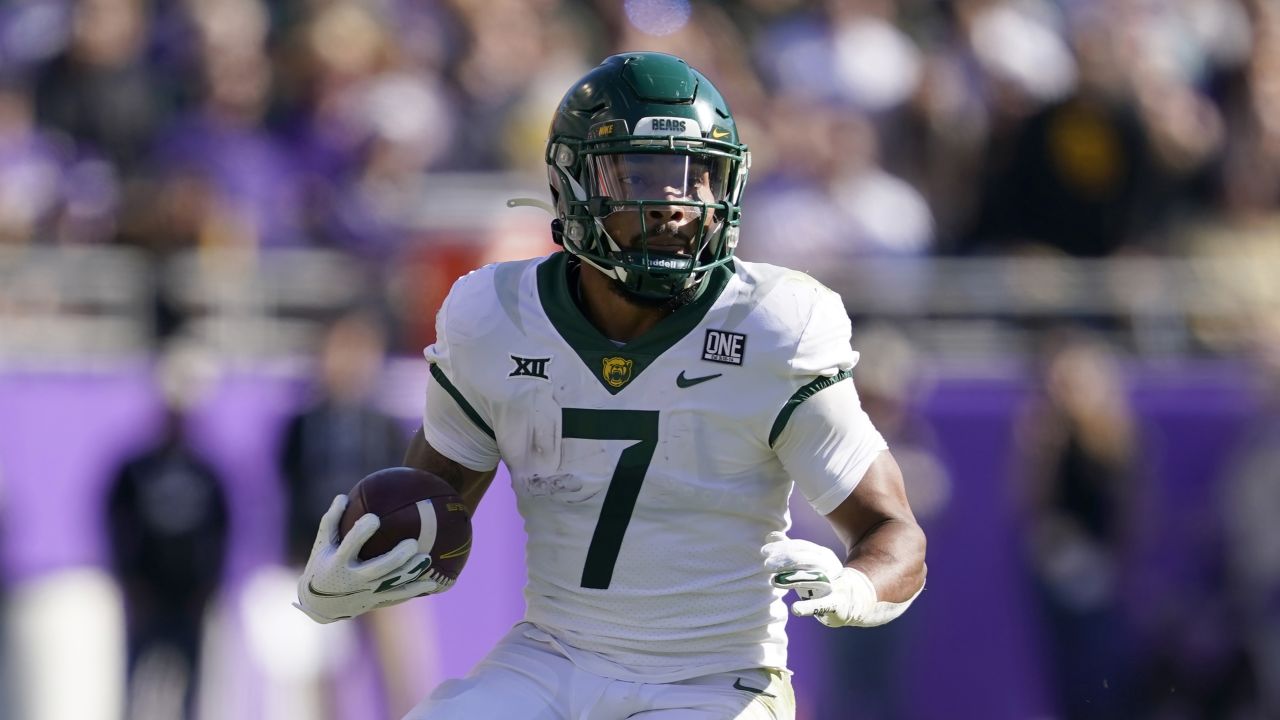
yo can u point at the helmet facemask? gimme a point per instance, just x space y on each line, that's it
655 214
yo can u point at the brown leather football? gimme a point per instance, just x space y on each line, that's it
412 504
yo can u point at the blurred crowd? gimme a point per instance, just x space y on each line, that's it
904 127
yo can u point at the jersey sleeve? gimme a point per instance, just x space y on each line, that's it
456 421
827 445
823 347
821 435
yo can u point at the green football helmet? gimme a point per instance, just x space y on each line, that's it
647 135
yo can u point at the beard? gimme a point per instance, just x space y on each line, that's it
688 242
670 304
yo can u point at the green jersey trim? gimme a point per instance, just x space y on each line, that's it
804 393
440 377
613 366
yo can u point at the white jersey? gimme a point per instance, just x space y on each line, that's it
649 474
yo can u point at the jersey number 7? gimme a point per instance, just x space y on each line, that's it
624 486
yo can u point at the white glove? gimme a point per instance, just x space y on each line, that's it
838 596
336 584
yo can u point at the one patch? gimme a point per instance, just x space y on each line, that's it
680 127
530 367
606 129
616 371
719 133
725 347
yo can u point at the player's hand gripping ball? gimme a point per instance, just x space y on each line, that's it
412 505
402 533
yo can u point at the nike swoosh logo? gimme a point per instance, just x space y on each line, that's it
717 133
737 685
684 382
798 576
311 588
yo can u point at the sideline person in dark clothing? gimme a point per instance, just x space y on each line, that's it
167 517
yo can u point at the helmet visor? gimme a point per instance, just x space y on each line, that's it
660 176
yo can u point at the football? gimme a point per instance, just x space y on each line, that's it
412 504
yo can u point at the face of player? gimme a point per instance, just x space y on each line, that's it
670 229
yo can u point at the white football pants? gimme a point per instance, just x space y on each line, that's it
523 678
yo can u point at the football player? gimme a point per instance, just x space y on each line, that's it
655 401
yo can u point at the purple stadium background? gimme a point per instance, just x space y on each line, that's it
973 634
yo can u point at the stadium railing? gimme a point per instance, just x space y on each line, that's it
67 303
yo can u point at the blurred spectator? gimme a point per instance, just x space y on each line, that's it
338 439
48 193
341 436
1248 183
99 91
1093 171
887 377
102 95
791 219
509 43
1251 495
938 141
1069 176
849 54
826 199
366 115
880 213
225 180
890 377
1079 455
167 517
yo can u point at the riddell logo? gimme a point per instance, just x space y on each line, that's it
725 347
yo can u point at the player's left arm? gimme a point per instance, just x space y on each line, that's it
842 465
881 536
844 469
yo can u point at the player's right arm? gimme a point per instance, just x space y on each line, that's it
336 585
470 484
457 441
